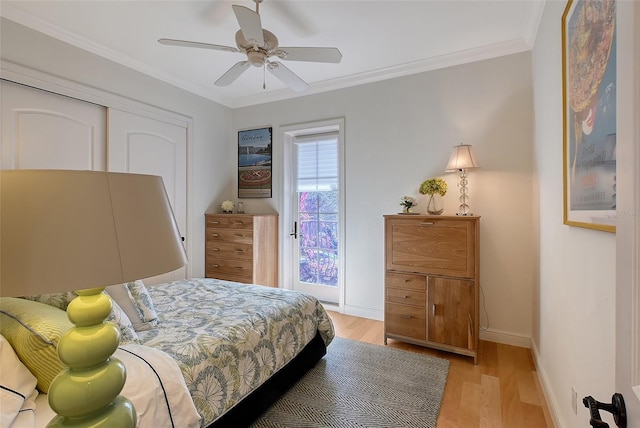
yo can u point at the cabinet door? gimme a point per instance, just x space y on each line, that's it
431 246
451 314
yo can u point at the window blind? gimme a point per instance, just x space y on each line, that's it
317 162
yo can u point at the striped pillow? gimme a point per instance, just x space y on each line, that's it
34 329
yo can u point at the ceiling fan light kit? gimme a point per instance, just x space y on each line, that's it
259 45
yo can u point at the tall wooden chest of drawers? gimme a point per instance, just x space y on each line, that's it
242 248
432 278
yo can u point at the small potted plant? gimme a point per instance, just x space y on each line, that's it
407 203
434 187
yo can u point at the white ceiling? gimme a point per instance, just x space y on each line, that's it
378 39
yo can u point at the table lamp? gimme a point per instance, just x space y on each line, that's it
462 159
84 230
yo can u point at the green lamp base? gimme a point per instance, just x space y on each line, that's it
86 393
120 413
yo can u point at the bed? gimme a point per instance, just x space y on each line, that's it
224 351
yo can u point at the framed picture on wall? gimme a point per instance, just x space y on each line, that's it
254 163
589 113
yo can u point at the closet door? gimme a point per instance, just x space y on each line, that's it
144 145
43 130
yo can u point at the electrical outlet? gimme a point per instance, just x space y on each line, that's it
574 400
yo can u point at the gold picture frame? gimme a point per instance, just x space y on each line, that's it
589 113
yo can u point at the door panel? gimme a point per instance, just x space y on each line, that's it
451 313
143 145
43 130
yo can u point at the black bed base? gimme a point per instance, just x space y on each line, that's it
253 405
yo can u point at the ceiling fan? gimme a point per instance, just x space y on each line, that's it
259 45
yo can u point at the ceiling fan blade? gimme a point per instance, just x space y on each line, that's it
250 24
186 43
331 55
233 73
287 76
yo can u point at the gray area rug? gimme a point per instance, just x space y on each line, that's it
362 385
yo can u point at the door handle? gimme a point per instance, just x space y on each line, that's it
295 230
617 408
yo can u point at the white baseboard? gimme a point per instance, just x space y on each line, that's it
505 338
552 403
358 311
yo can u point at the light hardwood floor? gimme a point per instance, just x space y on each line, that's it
502 391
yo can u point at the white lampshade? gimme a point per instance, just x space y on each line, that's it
68 230
462 157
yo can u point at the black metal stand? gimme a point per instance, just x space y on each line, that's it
616 408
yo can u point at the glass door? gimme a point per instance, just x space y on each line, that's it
316 229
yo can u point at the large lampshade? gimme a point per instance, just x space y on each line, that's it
65 230
84 230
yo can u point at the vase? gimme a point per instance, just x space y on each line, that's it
435 204
407 210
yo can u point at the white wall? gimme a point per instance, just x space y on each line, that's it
575 297
211 154
400 132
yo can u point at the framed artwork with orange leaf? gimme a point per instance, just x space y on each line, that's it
589 113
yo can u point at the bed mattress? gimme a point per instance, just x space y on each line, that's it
229 338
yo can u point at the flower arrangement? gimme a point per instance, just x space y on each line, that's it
431 187
227 206
407 203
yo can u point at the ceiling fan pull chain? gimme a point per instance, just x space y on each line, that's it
264 76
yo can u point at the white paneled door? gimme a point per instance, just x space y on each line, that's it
144 145
42 130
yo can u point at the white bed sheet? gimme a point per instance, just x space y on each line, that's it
154 385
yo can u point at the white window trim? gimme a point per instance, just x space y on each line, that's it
287 134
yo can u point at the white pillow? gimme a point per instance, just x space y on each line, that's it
17 384
119 317
136 303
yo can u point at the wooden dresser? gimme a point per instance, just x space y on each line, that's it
432 278
242 248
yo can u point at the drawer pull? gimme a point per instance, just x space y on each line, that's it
241 223
405 297
239 251
239 267
407 280
215 235
406 317
433 309
427 223
239 235
216 222
216 266
215 249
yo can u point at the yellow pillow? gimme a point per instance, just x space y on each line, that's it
34 330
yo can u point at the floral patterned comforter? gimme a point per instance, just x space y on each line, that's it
228 338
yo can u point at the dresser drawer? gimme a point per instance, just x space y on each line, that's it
246 279
217 266
229 250
218 221
408 297
225 221
406 281
404 320
230 235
